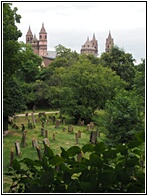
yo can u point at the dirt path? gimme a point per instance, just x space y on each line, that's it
29 114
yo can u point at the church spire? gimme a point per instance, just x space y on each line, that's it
29 35
43 29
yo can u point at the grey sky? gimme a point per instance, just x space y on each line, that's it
69 23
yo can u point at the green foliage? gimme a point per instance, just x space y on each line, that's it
124 117
120 62
107 170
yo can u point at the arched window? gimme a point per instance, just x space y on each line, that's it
45 36
28 39
40 36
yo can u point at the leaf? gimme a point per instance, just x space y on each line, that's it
87 148
87 187
28 162
16 165
140 136
95 161
64 154
48 152
72 151
132 162
48 177
56 160
122 149
134 144
99 147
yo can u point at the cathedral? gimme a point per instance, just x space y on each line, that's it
91 46
40 45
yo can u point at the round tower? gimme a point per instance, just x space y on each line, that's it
42 42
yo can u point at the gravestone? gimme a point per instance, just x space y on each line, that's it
11 157
23 127
46 133
57 123
17 147
79 134
53 120
76 135
93 137
64 129
46 143
47 122
24 139
42 131
39 153
34 143
88 127
33 119
92 125
70 129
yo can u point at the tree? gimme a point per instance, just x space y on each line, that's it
86 87
124 117
11 47
120 62
11 62
13 101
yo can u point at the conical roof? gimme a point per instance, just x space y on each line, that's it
109 35
34 39
43 29
29 31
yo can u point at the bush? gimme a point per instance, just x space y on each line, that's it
90 169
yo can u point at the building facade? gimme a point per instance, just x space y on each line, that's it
91 46
109 43
40 45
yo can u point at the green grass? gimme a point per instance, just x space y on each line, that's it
62 139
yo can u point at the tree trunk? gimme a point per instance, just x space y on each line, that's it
5 123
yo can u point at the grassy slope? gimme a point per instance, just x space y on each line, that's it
62 139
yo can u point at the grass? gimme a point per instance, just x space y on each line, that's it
62 139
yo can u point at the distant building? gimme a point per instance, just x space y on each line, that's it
40 46
90 47
109 43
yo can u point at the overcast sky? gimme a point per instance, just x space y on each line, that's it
70 23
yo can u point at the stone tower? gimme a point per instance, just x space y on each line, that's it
109 43
29 36
90 47
35 45
43 42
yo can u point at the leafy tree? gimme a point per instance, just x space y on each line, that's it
30 64
87 87
13 101
11 63
139 81
120 62
125 117
11 47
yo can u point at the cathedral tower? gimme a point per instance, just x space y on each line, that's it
29 36
43 42
109 43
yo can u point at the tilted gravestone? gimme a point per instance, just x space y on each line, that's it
39 153
46 143
34 143
17 147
